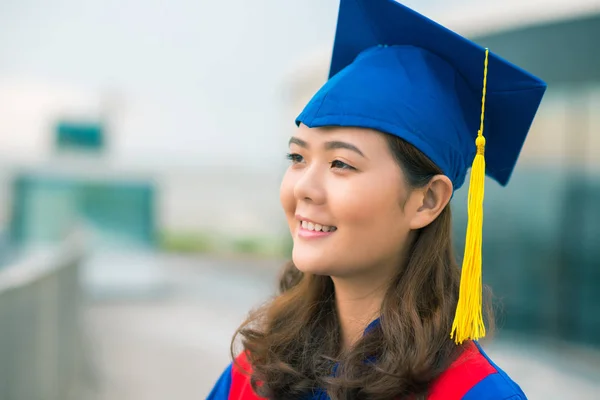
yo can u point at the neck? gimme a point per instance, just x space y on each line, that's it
358 302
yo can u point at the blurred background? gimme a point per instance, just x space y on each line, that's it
141 148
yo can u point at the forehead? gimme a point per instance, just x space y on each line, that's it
357 136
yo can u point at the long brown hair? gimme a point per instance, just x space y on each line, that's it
293 342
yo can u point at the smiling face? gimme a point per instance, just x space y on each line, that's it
345 201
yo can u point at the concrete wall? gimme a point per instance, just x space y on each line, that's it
40 342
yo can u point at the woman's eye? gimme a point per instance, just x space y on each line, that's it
294 158
340 165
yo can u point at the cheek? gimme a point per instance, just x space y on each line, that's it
286 194
368 205
371 221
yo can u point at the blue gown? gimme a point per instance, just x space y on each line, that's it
473 376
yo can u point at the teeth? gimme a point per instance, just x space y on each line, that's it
317 227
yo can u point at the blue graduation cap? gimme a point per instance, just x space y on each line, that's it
396 71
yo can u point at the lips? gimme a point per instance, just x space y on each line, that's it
311 229
311 226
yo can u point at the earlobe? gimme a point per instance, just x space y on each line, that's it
433 199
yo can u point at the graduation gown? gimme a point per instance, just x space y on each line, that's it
473 376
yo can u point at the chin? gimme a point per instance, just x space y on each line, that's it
313 263
317 264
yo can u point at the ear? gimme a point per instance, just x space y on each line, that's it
431 201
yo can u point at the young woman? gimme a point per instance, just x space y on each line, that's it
373 304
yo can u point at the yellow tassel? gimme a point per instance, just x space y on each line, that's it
468 321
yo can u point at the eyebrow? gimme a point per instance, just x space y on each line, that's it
336 144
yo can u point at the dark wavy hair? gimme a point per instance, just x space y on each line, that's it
294 341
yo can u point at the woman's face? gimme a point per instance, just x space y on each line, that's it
343 197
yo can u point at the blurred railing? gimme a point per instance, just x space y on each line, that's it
40 339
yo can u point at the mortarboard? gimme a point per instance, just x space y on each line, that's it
396 71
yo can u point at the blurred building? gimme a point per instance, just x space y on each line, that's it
541 233
59 169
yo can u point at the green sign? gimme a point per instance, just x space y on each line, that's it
80 136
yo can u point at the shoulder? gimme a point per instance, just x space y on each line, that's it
234 383
474 376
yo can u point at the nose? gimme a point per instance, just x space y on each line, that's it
310 186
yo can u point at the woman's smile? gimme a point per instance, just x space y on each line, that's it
309 229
